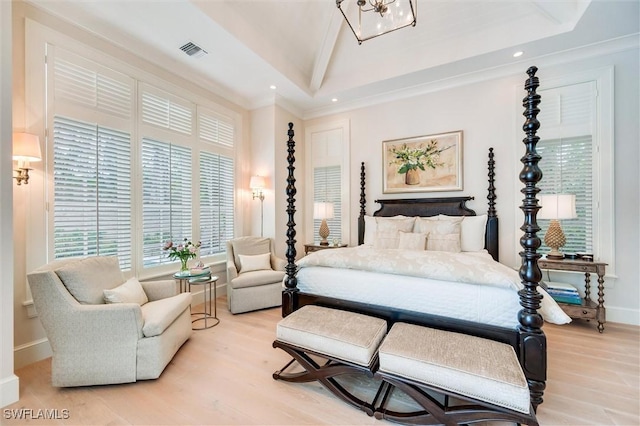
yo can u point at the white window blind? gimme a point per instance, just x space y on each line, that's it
166 198
216 202
92 191
567 164
327 187
214 130
165 112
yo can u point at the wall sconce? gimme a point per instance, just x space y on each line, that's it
323 211
26 148
257 184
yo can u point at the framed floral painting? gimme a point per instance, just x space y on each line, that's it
423 163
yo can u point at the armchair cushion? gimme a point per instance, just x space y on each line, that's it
249 246
87 278
255 262
256 278
160 289
129 292
159 314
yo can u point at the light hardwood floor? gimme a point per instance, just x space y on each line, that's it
223 376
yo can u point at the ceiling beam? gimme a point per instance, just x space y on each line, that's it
326 51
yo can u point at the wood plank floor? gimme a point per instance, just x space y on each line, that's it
223 376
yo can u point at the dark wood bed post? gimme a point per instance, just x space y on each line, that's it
533 356
363 205
290 293
491 236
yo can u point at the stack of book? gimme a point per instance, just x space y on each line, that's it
563 293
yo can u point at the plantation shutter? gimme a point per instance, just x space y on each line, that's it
92 191
567 163
166 199
216 134
216 202
327 187
91 122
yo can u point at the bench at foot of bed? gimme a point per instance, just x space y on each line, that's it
347 341
481 376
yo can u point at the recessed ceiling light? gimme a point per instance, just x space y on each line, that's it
518 54
334 100
273 87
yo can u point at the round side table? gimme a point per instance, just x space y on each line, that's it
205 319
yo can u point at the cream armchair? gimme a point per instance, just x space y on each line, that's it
96 343
254 274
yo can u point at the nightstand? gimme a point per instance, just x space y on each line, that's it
309 248
589 309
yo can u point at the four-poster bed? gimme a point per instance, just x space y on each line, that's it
524 332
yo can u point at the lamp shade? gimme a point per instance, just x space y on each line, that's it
26 147
256 182
557 206
323 210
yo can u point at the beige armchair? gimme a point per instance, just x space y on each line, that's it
96 343
254 274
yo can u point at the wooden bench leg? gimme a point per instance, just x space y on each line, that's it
324 373
436 412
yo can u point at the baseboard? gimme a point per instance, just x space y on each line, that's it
31 352
623 315
9 390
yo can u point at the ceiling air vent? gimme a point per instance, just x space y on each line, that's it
193 50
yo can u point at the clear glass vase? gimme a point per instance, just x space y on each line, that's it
183 265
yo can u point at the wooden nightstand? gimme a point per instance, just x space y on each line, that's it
589 309
309 248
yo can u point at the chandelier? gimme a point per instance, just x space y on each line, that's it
371 18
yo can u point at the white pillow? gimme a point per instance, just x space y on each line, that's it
257 262
370 228
472 232
412 241
444 242
386 240
435 225
129 292
396 223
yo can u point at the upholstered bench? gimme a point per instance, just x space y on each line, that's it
483 374
347 341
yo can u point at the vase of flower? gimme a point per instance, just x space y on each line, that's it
412 177
184 251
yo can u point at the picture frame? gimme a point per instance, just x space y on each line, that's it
429 163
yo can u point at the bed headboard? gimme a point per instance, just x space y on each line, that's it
451 206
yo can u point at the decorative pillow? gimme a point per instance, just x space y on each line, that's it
444 242
386 240
396 223
129 292
472 231
412 241
435 225
256 262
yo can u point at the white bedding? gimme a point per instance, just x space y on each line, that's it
467 286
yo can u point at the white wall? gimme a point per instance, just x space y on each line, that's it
486 112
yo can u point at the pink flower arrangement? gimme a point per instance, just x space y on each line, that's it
184 251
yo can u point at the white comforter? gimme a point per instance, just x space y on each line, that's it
475 268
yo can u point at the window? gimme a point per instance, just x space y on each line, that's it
166 198
129 161
92 198
327 188
576 146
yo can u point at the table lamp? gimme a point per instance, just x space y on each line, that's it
323 211
556 207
